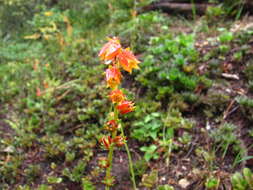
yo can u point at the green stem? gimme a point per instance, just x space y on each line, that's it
130 160
110 154
133 33
193 9
225 151
169 153
110 157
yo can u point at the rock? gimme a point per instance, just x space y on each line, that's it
183 183
9 149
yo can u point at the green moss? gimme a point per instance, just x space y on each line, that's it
246 105
225 136
140 167
216 101
249 70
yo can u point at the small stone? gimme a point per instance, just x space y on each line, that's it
179 174
9 149
208 126
183 183
196 171
184 168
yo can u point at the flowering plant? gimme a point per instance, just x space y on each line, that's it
117 58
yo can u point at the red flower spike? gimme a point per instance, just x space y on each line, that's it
127 60
117 96
110 50
113 76
125 107
106 142
119 141
111 125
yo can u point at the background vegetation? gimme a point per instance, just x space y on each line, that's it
192 127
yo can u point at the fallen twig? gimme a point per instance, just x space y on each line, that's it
179 7
228 109
230 76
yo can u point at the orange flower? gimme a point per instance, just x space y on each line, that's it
117 96
45 84
36 64
119 141
111 125
113 76
106 142
38 92
110 50
125 107
127 60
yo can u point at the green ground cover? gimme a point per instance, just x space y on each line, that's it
192 125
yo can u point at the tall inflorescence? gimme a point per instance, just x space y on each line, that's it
116 58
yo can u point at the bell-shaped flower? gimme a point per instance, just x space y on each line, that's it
125 107
111 125
119 141
110 50
103 162
106 141
113 76
109 181
127 60
117 96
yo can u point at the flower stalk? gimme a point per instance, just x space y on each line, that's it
110 154
130 161
117 58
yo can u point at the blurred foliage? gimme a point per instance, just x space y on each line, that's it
225 137
246 105
242 181
168 65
